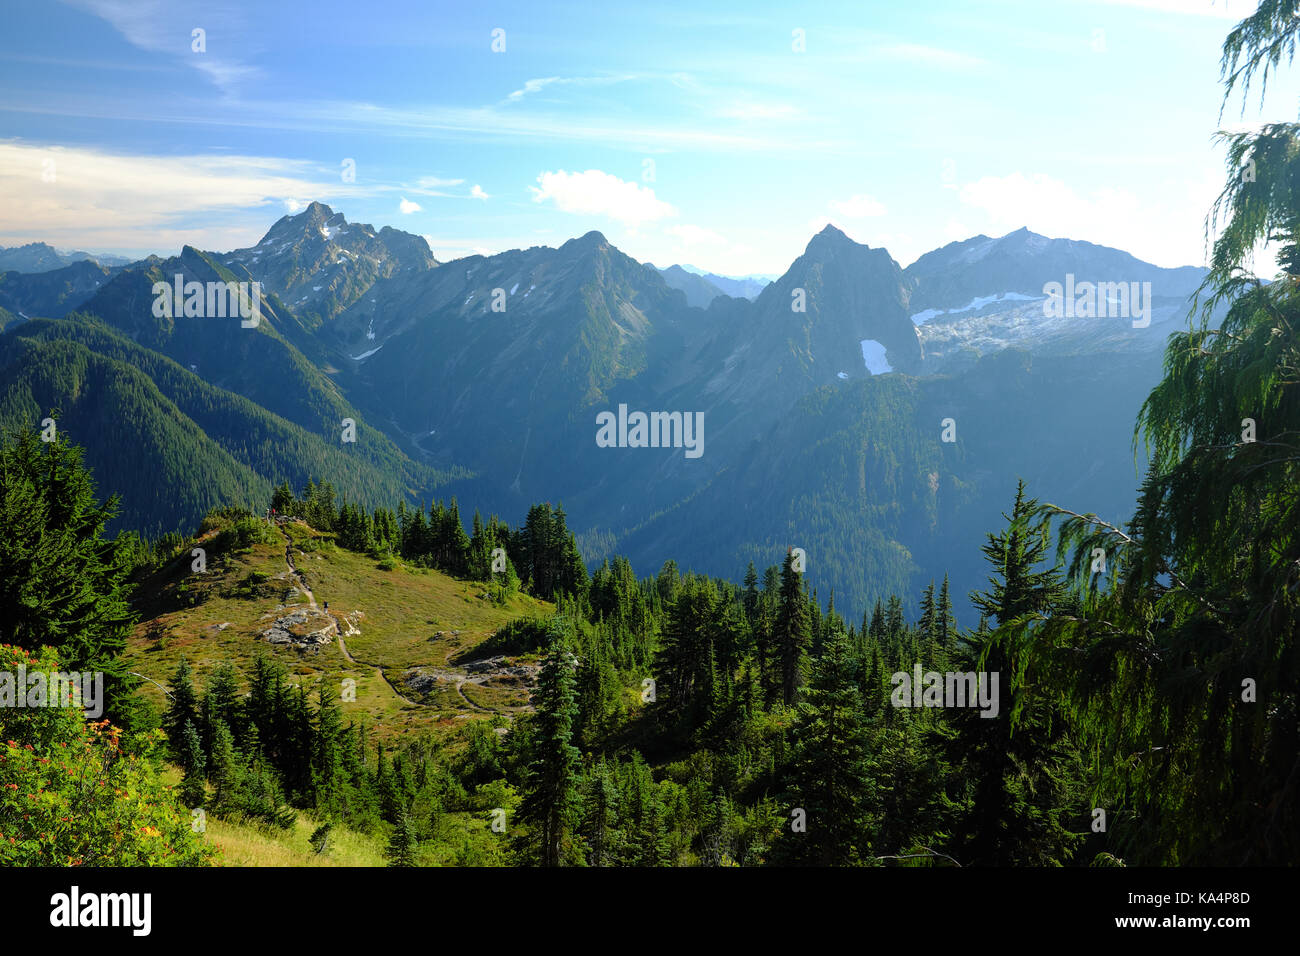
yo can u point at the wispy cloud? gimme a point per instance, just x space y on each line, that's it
759 111
433 122
928 55
168 27
534 86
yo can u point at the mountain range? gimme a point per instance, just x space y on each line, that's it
40 257
702 287
823 393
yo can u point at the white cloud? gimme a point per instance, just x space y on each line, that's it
1222 9
533 86
292 206
109 201
710 252
600 194
928 55
1109 216
695 235
446 249
759 111
537 85
1018 200
858 207
437 186
406 207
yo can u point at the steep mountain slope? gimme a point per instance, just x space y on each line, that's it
319 264
954 342
812 321
858 476
583 329
747 363
137 442
139 413
1021 262
513 393
54 293
982 295
260 363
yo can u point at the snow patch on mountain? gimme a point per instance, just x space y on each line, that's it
873 356
975 304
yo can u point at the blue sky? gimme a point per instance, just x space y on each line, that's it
686 132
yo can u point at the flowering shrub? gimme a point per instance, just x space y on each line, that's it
72 795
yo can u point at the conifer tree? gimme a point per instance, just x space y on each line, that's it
600 822
1181 667
945 625
751 595
223 767
928 622
480 551
1019 765
182 709
765 649
326 759
550 802
402 844
282 500
194 763
791 631
62 583
221 702
830 777
686 651
668 581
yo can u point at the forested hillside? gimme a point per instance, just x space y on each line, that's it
138 413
